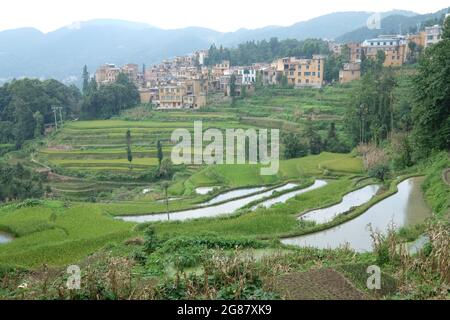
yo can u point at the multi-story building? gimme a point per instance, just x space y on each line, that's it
355 52
107 74
268 75
131 70
350 72
432 35
201 56
149 95
248 75
171 96
335 47
190 94
221 68
394 47
302 72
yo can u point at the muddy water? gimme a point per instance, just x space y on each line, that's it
350 200
405 208
285 197
232 195
4 237
214 211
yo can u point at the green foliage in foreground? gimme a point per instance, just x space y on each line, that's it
17 182
56 233
437 193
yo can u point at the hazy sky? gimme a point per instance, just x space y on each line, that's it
227 15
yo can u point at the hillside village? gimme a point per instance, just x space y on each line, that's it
185 82
263 169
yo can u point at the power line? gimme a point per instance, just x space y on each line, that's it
55 109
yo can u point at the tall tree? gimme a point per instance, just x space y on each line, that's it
315 141
39 124
431 107
129 153
85 77
159 152
233 86
25 124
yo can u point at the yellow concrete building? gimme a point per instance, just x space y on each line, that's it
302 72
107 74
191 94
350 72
394 47
171 96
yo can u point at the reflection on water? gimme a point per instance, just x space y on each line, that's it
4 237
405 208
204 190
214 211
285 197
351 200
232 195
222 209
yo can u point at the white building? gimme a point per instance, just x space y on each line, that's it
433 35
248 75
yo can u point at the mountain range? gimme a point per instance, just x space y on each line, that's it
61 54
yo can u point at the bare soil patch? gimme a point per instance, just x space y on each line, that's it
320 284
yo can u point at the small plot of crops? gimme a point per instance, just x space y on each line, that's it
56 233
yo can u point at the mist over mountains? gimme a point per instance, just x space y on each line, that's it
61 54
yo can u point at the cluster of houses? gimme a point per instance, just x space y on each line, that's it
185 82
397 49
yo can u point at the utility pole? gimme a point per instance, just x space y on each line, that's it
56 120
60 116
55 109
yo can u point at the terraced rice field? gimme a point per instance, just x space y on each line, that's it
101 145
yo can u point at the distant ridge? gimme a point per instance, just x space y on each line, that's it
391 25
61 54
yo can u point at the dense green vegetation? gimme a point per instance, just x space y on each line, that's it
108 100
266 51
101 169
18 183
26 105
431 92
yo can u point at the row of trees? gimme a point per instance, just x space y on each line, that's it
26 105
412 114
266 51
107 100
18 183
310 142
165 168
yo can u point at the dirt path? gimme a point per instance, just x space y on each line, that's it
321 284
